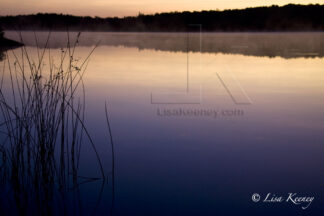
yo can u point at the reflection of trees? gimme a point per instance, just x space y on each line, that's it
6 44
1 56
286 45
1 37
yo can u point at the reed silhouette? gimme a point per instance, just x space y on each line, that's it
42 132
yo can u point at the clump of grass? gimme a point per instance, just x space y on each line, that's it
42 126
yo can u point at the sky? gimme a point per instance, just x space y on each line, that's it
121 8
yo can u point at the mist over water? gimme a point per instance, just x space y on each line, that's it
286 45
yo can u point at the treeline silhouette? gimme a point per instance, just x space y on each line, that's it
274 18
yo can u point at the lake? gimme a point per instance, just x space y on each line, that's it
200 121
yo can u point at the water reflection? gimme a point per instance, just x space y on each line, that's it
286 45
199 164
1 55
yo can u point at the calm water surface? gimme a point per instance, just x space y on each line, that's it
202 122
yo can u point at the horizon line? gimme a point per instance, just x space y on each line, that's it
158 13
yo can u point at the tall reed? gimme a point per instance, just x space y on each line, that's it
43 127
